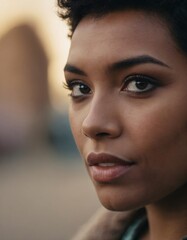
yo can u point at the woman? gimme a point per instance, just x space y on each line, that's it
126 73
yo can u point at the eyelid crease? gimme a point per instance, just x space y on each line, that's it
138 77
135 77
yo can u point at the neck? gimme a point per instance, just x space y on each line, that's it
168 218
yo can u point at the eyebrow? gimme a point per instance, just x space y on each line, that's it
72 69
125 63
131 62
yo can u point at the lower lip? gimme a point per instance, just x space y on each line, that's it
108 174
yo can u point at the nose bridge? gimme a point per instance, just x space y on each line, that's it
100 110
101 118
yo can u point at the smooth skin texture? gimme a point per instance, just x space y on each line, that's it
128 82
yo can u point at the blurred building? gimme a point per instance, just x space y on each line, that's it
43 196
24 100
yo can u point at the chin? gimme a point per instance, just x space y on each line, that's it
115 205
119 202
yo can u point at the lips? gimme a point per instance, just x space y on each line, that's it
105 168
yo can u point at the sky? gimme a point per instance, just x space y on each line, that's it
42 14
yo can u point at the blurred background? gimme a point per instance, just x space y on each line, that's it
45 193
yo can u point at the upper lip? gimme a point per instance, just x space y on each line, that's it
98 158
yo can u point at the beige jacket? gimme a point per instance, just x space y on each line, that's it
105 225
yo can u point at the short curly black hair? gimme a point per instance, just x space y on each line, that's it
174 12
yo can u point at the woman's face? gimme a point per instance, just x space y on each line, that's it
128 109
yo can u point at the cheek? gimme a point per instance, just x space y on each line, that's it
158 126
74 123
160 139
76 119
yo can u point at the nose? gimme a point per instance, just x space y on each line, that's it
102 120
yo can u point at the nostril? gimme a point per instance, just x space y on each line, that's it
97 135
102 134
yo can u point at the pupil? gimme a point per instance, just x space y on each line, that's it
84 89
141 84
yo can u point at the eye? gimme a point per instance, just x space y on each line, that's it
77 88
139 84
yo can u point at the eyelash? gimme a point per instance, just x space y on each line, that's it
69 85
137 79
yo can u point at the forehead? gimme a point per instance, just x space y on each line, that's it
114 35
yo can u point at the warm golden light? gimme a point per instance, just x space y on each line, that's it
42 15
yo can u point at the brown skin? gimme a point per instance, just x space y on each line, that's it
149 128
